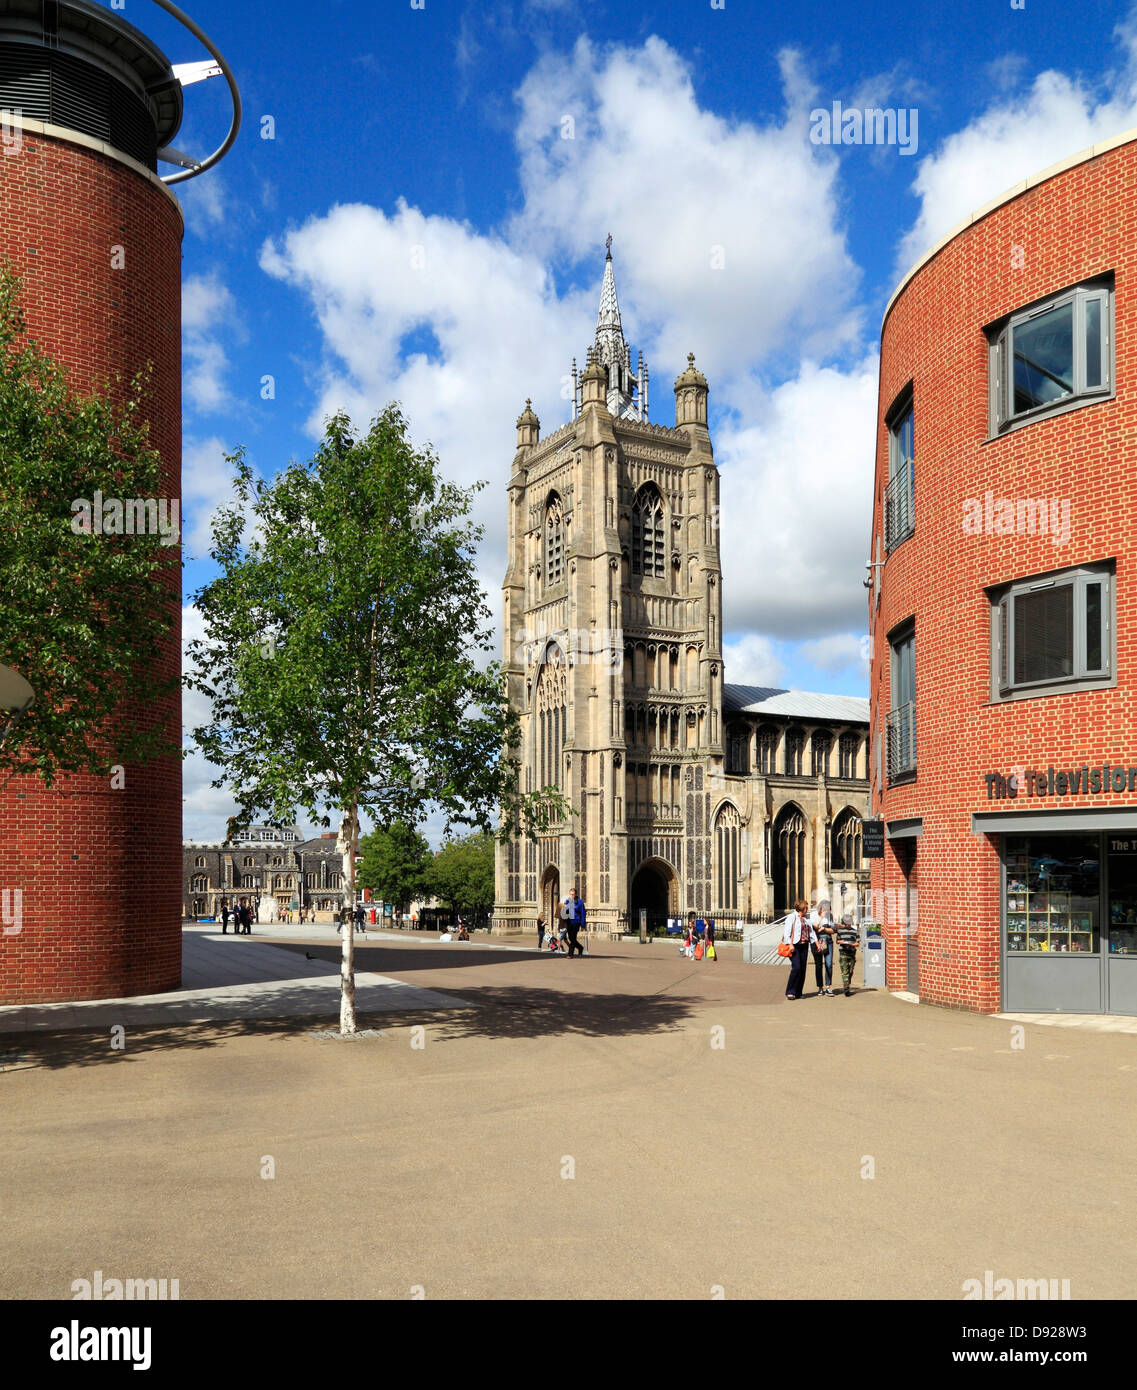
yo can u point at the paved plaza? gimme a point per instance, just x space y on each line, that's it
517 1125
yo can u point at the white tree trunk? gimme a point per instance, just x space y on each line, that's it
347 845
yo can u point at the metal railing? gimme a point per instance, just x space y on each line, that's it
900 729
899 517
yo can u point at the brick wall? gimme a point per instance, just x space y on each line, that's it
97 868
1081 223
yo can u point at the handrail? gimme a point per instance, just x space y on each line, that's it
235 125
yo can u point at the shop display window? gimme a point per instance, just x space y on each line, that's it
1053 892
1122 871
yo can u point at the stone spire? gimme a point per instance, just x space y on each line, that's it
627 390
610 344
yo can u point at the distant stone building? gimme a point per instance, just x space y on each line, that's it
689 794
276 868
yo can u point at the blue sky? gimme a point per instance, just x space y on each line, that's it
427 224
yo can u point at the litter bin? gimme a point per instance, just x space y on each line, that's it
872 955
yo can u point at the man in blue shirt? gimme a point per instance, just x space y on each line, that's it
573 915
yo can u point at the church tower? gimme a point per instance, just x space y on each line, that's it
612 613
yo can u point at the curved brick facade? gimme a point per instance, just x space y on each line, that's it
97 869
1065 229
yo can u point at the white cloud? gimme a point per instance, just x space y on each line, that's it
726 232
838 653
1018 136
209 313
206 483
796 498
754 660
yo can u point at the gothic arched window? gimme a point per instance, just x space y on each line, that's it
845 845
847 756
767 749
727 835
738 750
552 718
647 533
554 540
795 745
822 742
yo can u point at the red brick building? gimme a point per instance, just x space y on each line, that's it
1003 602
96 240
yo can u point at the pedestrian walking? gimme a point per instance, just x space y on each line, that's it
359 919
540 931
799 934
822 922
848 939
710 953
575 918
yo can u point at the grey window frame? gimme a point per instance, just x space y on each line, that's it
1081 678
900 492
900 723
1000 336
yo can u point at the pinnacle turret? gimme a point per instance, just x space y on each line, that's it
627 390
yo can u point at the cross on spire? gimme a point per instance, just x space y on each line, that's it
608 245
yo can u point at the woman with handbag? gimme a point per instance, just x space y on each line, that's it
822 923
799 935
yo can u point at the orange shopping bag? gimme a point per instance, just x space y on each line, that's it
699 951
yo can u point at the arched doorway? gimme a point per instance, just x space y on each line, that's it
789 858
550 898
651 889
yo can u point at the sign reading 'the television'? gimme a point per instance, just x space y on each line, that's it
1062 781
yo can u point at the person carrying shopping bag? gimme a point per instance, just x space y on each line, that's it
799 935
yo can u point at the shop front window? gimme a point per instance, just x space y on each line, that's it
1053 891
1122 871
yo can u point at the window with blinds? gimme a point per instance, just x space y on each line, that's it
1052 631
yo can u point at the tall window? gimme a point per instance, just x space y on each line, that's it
795 746
847 756
1053 631
899 497
845 845
767 749
727 834
554 541
902 714
822 742
738 750
1052 355
647 533
199 862
552 718
789 858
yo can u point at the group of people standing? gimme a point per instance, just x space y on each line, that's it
242 915
817 932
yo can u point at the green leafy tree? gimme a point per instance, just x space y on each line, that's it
395 863
84 614
462 874
344 648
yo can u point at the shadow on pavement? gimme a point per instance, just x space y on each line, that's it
499 1012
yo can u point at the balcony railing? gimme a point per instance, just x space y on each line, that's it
901 739
899 519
